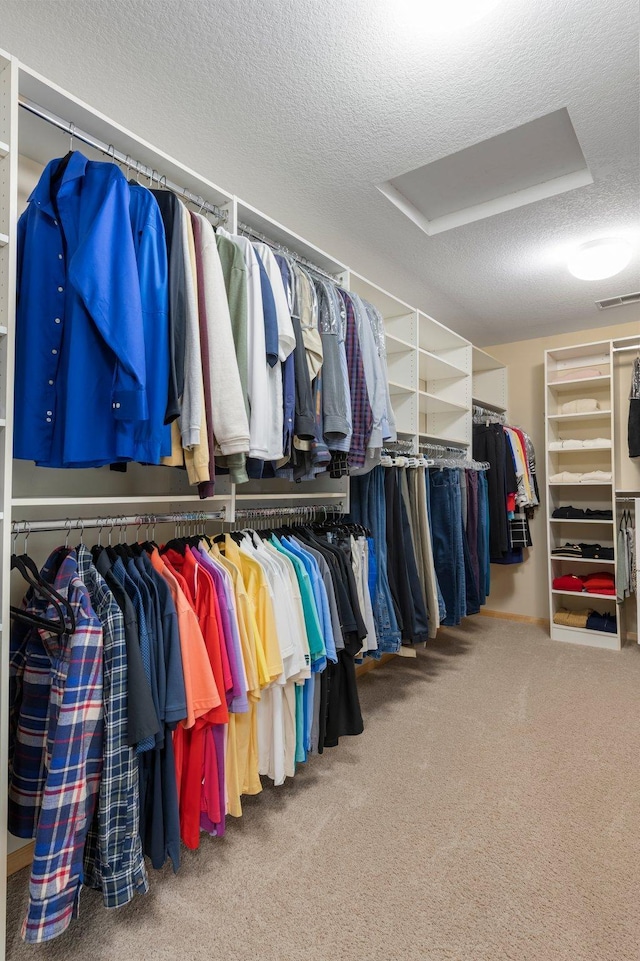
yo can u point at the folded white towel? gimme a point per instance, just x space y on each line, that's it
579 406
577 373
555 445
597 442
597 476
572 444
566 477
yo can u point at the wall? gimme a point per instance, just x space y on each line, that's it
523 588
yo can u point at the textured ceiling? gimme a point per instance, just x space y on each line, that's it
302 107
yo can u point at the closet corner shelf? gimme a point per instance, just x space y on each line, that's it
4 240
585 595
569 384
488 405
4 149
589 414
580 560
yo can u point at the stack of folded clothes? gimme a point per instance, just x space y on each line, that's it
586 618
583 406
572 618
571 444
574 477
591 551
582 513
602 582
602 622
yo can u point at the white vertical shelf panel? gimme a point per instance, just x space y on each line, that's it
8 227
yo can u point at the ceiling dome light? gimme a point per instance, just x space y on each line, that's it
441 16
599 259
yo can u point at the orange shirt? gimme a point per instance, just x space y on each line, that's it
205 602
199 683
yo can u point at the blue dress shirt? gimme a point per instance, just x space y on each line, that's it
80 353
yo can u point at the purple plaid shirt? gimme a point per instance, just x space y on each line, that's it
361 413
57 754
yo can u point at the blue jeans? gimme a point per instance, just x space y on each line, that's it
483 536
368 508
448 547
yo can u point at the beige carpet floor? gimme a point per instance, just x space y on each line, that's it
490 811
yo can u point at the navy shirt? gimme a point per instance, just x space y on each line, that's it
80 383
270 315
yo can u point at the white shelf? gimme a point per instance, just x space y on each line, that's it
569 384
396 388
4 149
584 595
433 367
589 414
4 240
578 450
3 331
484 361
444 439
580 560
125 499
579 520
488 405
582 635
580 483
396 345
436 405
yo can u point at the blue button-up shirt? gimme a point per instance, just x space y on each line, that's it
80 355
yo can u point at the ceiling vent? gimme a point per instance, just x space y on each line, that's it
621 301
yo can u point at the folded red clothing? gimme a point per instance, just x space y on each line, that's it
601 582
568 582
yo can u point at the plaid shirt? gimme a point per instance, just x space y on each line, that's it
113 858
362 415
57 756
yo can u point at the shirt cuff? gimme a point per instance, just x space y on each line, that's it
130 405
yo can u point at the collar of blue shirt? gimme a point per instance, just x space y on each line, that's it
41 194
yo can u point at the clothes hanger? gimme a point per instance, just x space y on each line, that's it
26 567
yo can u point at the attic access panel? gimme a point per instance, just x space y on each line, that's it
539 159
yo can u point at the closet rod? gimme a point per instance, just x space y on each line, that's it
620 350
244 228
116 155
291 511
112 522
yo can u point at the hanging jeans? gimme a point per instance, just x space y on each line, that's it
368 508
448 546
484 560
442 607
403 572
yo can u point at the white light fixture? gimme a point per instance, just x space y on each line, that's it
598 259
442 16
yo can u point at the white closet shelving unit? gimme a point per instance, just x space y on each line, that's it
430 367
567 378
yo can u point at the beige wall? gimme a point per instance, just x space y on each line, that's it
523 588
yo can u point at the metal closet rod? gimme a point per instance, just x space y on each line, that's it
620 350
244 228
113 521
290 511
149 172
